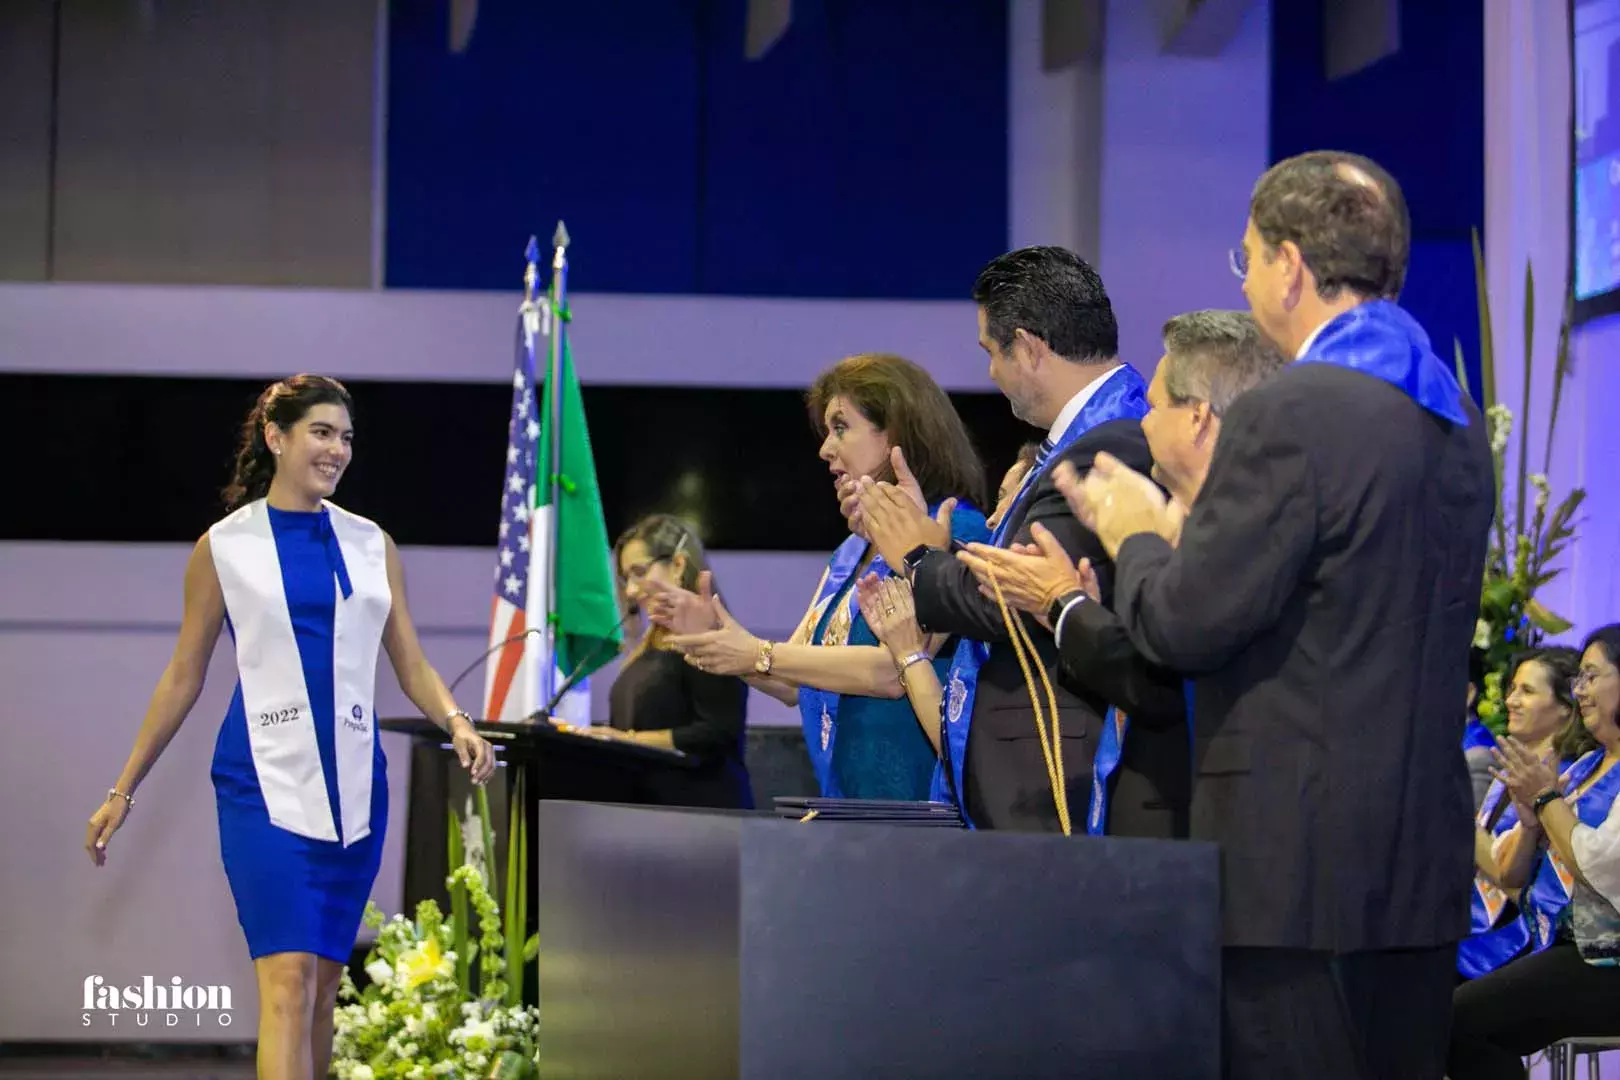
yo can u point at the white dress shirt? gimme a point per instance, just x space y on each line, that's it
1597 854
1310 339
1065 417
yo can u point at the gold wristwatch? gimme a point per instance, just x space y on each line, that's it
767 655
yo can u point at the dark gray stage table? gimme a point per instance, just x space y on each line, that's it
703 944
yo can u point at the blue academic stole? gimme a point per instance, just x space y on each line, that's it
1111 747
1554 884
1476 734
1123 396
1380 339
1489 946
818 709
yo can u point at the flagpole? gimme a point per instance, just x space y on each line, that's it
559 327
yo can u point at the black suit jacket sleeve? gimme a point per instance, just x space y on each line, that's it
1098 658
1193 607
947 594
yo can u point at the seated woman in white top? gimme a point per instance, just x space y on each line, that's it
1572 987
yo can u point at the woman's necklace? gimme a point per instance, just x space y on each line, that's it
842 619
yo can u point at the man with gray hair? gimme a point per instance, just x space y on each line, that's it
1324 593
1210 358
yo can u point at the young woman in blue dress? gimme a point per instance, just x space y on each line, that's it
310 592
881 416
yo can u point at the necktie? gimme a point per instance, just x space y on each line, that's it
1044 454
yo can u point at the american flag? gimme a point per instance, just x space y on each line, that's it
512 675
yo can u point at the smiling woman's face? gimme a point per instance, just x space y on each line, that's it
312 454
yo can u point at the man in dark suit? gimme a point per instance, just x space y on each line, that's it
1048 327
1210 359
1323 594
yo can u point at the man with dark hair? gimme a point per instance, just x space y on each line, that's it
1210 358
1048 327
1323 594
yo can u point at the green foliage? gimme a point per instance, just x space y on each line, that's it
1511 619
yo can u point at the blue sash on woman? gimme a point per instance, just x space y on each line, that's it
1476 734
1554 884
1123 396
1489 946
818 709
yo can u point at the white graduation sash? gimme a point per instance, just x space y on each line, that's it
281 726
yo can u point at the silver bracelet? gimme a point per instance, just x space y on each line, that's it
129 802
453 713
914 658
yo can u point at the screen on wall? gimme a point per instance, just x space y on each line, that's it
1597 157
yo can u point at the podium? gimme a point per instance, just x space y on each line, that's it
715 945
556 765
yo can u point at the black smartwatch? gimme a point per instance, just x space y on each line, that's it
1543 799
1054 614
913 559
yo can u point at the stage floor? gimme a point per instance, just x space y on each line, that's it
24 1062
124 1070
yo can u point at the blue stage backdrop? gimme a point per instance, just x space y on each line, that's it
864 156
1421 114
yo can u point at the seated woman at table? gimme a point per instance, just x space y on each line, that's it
880 416
658 699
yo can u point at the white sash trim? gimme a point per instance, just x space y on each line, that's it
281 725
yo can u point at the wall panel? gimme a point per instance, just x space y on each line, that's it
216 143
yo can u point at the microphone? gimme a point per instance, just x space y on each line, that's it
499 645
589 659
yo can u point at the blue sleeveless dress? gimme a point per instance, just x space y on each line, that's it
295 894
880 751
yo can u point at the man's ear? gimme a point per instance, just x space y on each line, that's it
1205 423
1298 276
1027 348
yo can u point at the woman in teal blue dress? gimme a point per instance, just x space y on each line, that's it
881 416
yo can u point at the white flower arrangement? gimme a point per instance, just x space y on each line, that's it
425 1013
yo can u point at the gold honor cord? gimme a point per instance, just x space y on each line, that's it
1051 744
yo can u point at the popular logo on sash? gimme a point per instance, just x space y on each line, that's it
356 720
958 699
